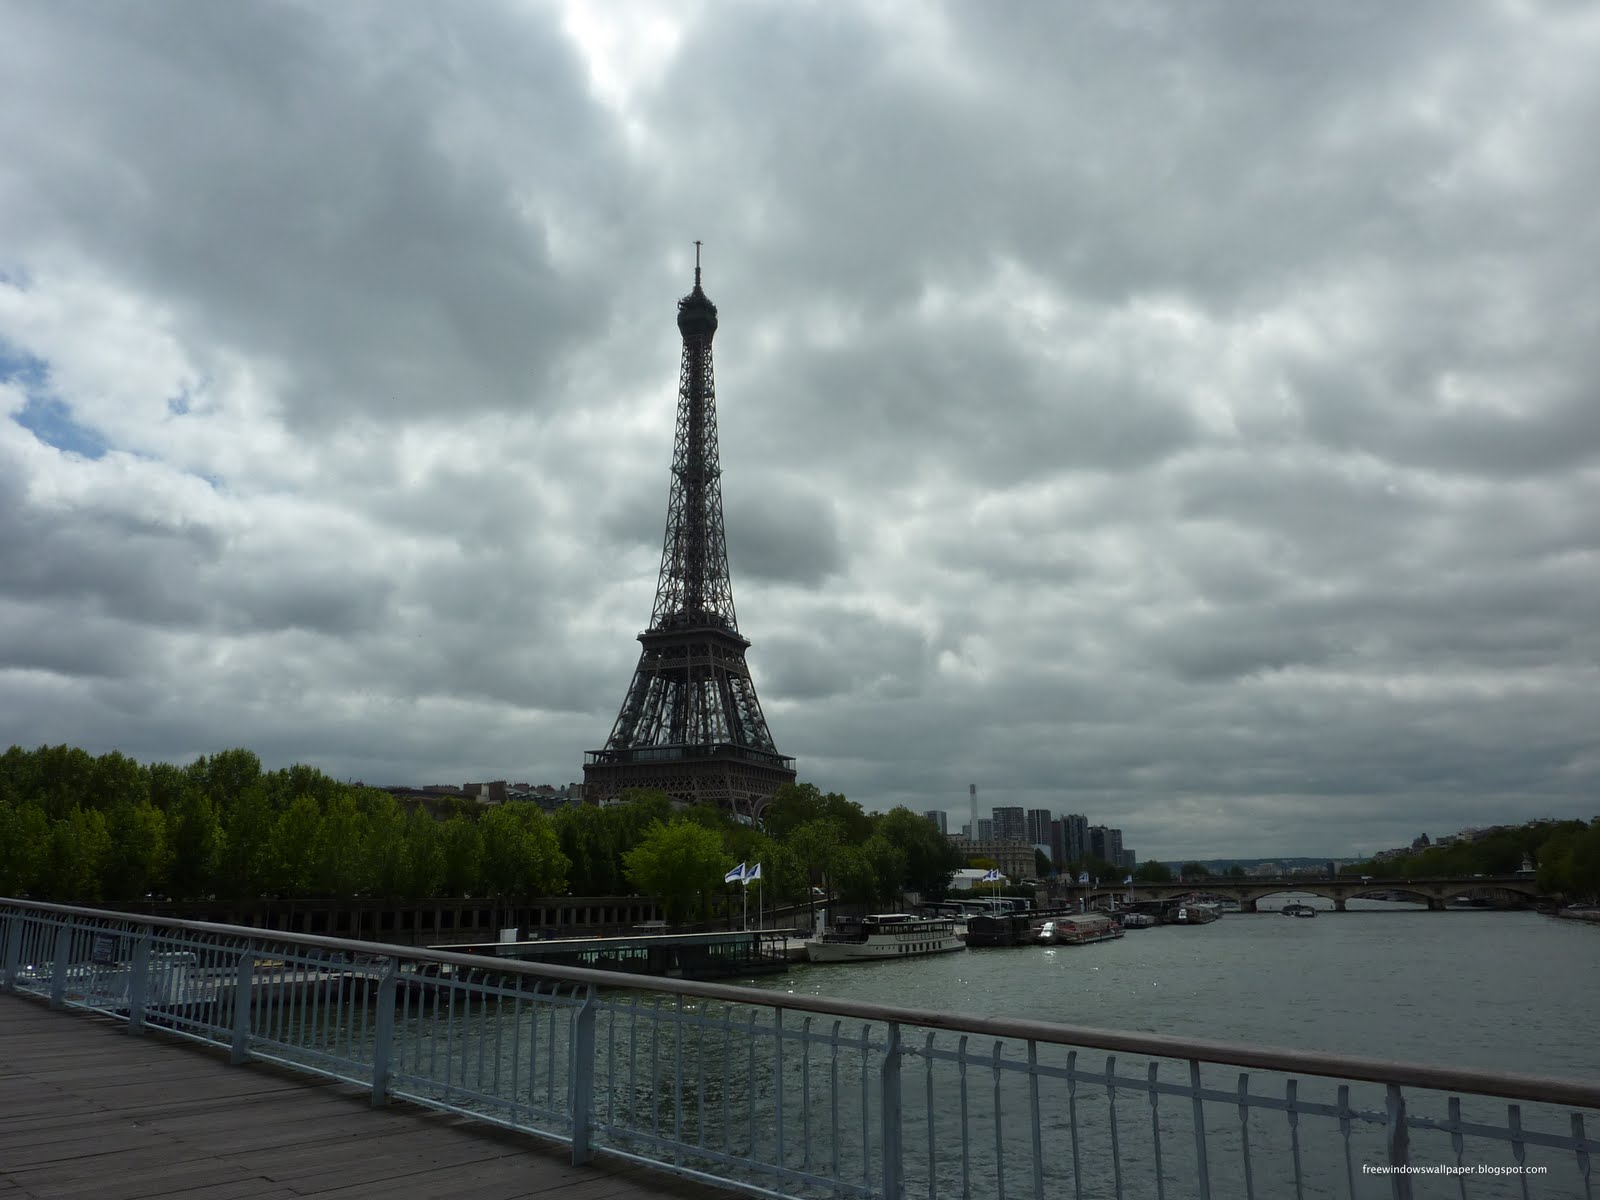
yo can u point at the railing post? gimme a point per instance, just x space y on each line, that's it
583 1064
889 1114
244 985
1399 1145
383 1032
14 927
58 970
139 983
1202 1166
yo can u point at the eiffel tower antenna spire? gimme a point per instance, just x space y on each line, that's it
690 724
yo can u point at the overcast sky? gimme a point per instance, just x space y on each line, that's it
1185 414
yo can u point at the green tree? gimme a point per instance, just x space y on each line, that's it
138 856
388 847
194 833
425 854
296 836
341 856
79 846
248 865
930 857
1152 871
1193 870
521 854
24 849
461 847
676 862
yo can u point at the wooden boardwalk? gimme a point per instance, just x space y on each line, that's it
88 1112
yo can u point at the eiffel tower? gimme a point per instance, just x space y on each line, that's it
691 724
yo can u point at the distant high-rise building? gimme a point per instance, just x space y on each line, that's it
1075 833
985 830
1129 860
1058 844
939 819
1113 854
1039 826
1097 841
1010 825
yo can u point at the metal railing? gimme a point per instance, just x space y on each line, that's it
794 1096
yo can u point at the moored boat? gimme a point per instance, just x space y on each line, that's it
1296 909
884 935
1137 920
1195 913
1085 928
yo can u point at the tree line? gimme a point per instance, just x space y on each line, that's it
1565 856
80 829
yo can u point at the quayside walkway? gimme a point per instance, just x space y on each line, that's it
89 1113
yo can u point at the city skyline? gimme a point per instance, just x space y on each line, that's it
1179 414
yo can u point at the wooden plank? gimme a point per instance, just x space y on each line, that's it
127 1118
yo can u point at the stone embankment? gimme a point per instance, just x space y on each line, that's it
1578 914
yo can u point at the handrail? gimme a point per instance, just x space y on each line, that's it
1501 1084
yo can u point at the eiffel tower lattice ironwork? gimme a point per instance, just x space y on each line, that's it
691 724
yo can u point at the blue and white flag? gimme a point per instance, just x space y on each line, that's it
753 874
735 876
992 875
1083 877
1128 879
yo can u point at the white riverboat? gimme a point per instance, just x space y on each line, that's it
883 935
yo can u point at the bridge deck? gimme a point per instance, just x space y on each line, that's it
90 1113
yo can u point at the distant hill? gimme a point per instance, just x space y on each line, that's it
1218 866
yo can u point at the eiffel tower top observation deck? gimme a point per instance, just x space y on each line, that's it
690 724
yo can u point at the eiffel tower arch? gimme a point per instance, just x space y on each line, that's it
691 724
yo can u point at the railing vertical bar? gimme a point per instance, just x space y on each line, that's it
1072 1121
583 1078
1519 1148
450 1033
1344 1132
833 1097
727 1076
933 1152
1155 1128
1458 1144
677 1078
1244 1134
1293 1115
499 1033
777 1085
750 1084
999 1127
478 985
700 1073
1580 1143
632 1115
1202 1166
16 929
1111 1117
516 1054
805 1094
966 1138
1034 1114
866 1109
611 1065
550 1049
1399 1144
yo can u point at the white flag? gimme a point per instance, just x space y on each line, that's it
1083 877
991 876
735 876
1129 879
753 874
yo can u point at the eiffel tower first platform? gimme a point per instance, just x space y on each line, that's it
691 724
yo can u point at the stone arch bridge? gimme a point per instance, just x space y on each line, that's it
1436 891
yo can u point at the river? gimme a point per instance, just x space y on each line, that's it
1514 991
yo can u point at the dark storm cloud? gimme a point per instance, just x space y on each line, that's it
1183 415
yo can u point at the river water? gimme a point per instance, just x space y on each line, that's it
1514 991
